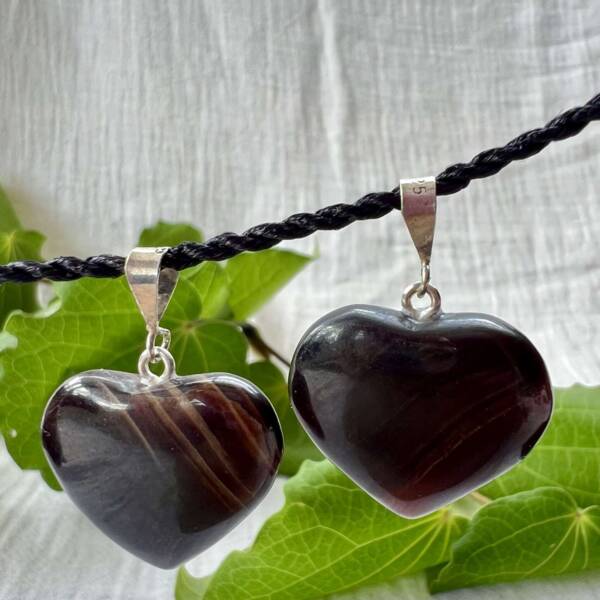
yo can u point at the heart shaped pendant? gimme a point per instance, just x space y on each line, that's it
163 465
164 469
419 413
419 407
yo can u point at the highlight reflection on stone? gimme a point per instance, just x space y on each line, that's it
419 414
166 469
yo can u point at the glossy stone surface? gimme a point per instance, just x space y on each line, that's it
419 414
164 470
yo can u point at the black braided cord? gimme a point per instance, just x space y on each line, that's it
337 216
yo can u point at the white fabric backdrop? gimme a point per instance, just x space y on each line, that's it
115 114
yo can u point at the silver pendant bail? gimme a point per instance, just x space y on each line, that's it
152 288
419 204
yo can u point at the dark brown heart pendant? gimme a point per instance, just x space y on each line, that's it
164 468
419 413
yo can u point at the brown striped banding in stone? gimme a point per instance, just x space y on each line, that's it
165 469
419 413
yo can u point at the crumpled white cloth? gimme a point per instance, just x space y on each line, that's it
227 114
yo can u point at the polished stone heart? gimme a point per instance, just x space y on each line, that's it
419 413
165 469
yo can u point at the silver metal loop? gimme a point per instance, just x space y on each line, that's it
425 279
427 312
162 332
164 356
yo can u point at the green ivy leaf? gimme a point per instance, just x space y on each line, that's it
533 534
567 456
413 587
169 234
8 217
203 346
298 446
254 278
16 244
213 286
188 587
330 538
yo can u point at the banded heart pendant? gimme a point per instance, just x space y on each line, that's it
164 465
419 407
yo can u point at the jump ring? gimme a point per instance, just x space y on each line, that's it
151 342
164 356
425 279
426 313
